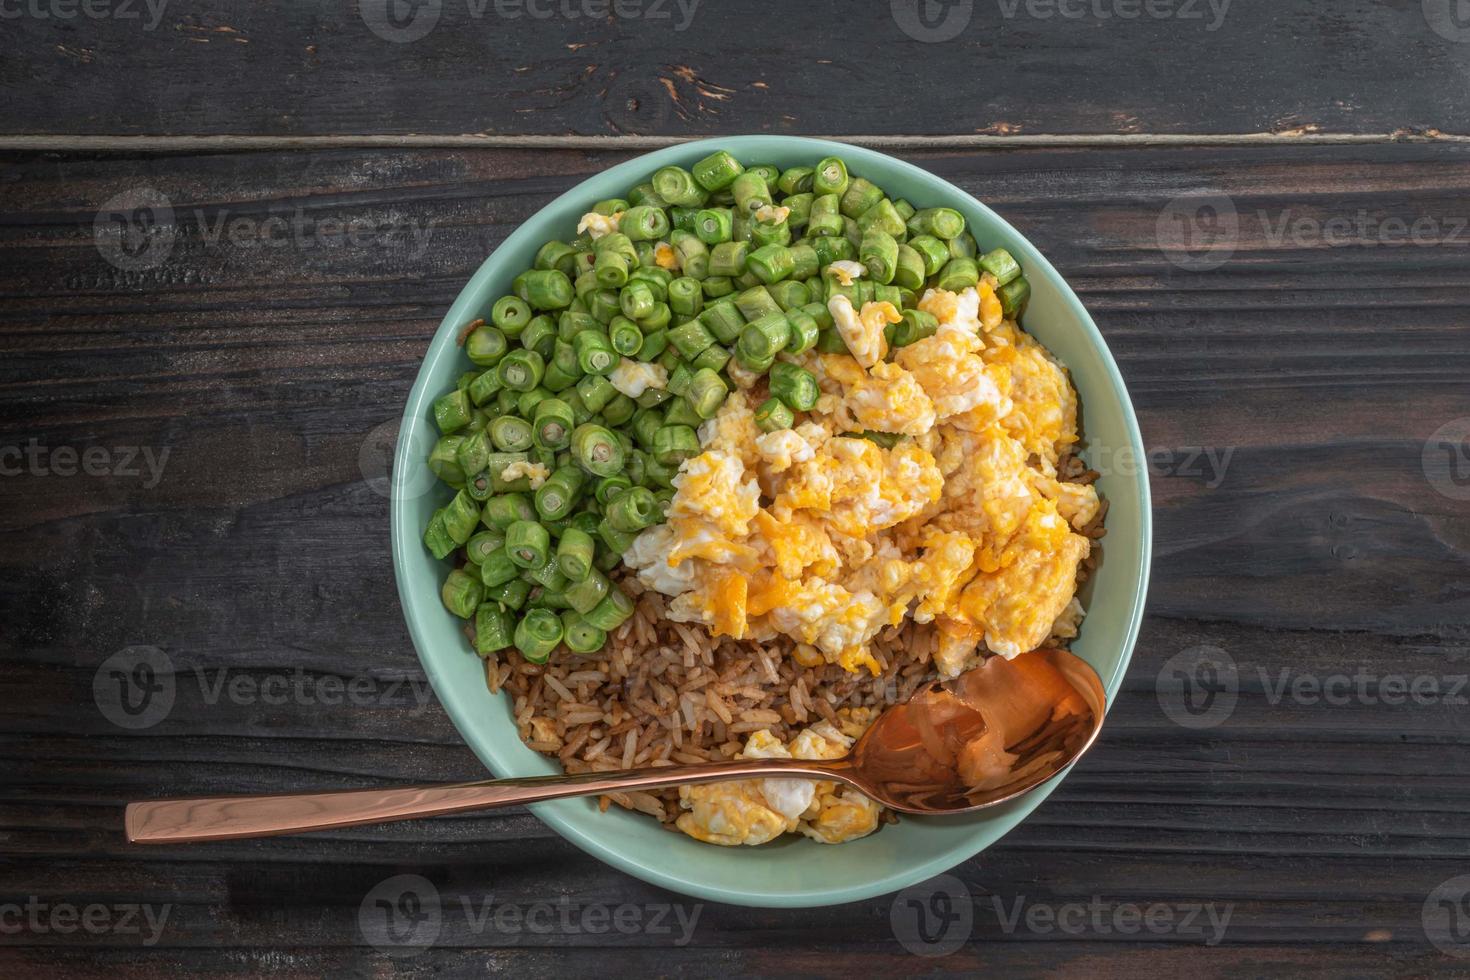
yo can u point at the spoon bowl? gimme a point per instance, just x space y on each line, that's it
989 735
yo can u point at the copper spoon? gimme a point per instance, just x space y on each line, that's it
989 735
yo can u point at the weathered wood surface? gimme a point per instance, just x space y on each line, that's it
705 67
1321 548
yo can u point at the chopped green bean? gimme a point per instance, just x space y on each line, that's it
1000 264
527 543
690 339
584 596
673 444
437 539
717 171
556 497
579 635
644 223
452 411
772 415
462 592
939 222
632 510
537 634
510 314
521 370
553 424
879 252
460 515
444 460
614 610
1013 296
678 186
958 274
494 629
512 594
511 433
481 544
497 568
707 392
764 338
686 298
751 192
597 450
794 385
830 176
504 510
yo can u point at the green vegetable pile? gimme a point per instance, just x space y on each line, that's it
598 313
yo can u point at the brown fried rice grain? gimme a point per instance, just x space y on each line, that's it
666 693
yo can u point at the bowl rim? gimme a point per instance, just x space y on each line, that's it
457 701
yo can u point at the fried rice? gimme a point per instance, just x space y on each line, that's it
662 693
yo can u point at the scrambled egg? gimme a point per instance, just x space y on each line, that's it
820 535
633 378
536 472
596 225
754 811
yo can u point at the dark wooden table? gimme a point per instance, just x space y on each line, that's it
190 433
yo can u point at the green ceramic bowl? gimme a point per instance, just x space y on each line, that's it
794 871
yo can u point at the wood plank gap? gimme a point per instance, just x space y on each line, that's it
232 142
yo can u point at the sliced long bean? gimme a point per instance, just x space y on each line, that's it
537 634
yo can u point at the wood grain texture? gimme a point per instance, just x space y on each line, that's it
702 67
259 556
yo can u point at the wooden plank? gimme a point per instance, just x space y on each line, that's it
1318 547
689 68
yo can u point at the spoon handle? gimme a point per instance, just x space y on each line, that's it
233 817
